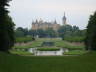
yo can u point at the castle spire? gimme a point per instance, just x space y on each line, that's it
64 19
36 21
64 13
55 22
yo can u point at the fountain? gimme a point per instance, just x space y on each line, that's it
47 43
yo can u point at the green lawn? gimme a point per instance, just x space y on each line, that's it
76 52
24 53
15 63
68 45
34 44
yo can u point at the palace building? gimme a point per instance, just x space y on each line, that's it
40 24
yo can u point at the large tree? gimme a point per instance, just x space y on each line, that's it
6 27
91 33
50 33
65 31
23 30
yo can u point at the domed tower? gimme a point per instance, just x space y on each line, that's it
64 19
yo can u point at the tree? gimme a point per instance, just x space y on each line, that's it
65 31
76 31
90 40
6 27
10 30
19 33
41 33
25 30
33 33
50 33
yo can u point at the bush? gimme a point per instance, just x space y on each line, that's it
48 49
74 39
24 39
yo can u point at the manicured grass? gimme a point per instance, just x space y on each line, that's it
34 44
75 52
49 39
24 53
57 41
75 39
14 63
68 45
23 39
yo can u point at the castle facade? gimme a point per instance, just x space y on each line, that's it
40 24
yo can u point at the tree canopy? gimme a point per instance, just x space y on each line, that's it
6 27
91 33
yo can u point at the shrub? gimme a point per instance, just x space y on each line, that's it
74 39
24 39
48 49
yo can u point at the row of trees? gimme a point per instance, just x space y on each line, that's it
63 31
90 40
21 32
70 31
6 27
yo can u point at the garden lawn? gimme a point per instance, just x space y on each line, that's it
58 42
69 45
15 63
23 53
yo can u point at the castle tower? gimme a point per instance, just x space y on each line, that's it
55 22
64 19
36 21
40 21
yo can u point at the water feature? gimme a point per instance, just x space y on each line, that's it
47 43
37 52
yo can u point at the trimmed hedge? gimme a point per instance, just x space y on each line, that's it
48 49
68 45
74 39
23 39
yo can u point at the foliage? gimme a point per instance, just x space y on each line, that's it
43 33
70 31
75 52
63 31
23 39
24 53
50 33
91 33
74 39
6 27
32 45
21 32
48 49
69 45
32 32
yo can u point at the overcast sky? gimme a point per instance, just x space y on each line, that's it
77 12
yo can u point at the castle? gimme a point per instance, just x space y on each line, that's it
40 24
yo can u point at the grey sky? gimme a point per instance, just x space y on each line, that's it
24 12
